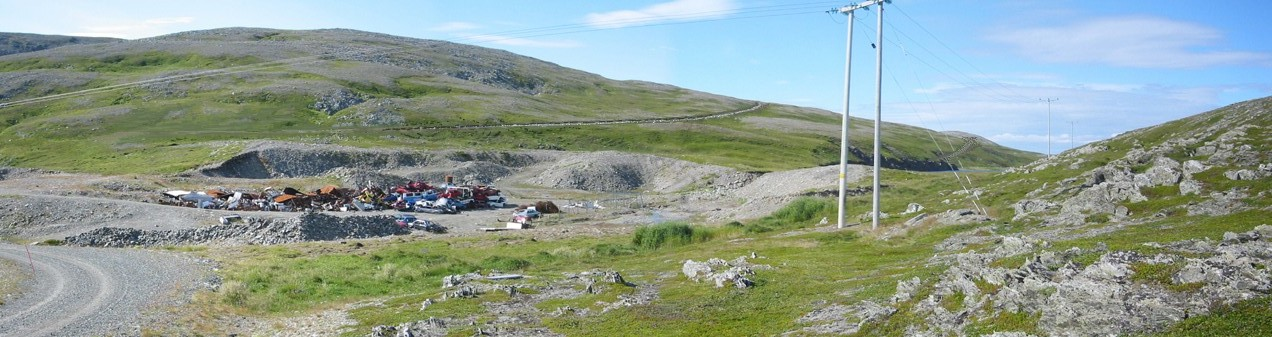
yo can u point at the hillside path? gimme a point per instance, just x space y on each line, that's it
757 106
79 291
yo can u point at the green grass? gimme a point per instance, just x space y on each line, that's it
91 132
802 212
1246 318
150 61
1161 274
1005 321
809 266
669 234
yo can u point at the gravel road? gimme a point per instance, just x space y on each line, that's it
93 291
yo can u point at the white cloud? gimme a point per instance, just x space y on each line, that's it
677 10
1113 87
1145 42
169 21
133 30
456 26
1094 110
521 42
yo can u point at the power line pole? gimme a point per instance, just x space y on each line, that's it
1048 100
1071 135
874 224
843 146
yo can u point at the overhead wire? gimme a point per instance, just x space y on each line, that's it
940 151
963 79
947 47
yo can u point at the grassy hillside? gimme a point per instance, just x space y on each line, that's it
814 271
174 101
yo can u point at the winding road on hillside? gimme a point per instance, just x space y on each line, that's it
79 291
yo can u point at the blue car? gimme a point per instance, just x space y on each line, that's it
404 220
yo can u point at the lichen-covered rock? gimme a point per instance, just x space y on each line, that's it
1071 299
1028 206
721 272
332 102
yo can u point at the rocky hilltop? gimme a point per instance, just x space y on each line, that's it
13 43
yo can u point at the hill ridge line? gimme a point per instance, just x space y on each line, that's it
757 106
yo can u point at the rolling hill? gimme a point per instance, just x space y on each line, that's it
13 43
175 102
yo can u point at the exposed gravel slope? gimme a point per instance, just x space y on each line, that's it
92 291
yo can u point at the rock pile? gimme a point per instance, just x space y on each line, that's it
332 102
305 227
1121 292
723 272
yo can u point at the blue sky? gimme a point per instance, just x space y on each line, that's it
979 67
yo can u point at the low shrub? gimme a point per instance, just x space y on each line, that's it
610 249
669 234
234 293
504 263
798 214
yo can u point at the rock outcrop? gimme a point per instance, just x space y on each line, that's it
1119 293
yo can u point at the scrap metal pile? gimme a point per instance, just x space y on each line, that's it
414 196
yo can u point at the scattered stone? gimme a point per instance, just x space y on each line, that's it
456 280
333 102
1028 206
722 273
913 208
917 219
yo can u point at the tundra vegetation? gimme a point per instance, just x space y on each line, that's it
1202 181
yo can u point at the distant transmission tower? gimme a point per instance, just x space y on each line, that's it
1049 100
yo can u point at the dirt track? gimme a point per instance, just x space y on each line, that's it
93 291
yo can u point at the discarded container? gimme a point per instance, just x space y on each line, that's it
225 220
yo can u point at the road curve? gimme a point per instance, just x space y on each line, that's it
93 291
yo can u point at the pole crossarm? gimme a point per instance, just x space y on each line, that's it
865 5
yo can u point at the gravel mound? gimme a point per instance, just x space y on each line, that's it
621 172
770 191
38 216
265 160
16 172
306 227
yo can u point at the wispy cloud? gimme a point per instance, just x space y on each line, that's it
678 10
1095 111
521 42
132 30
456 26
1145 42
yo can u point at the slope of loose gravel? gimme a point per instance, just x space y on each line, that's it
94 291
